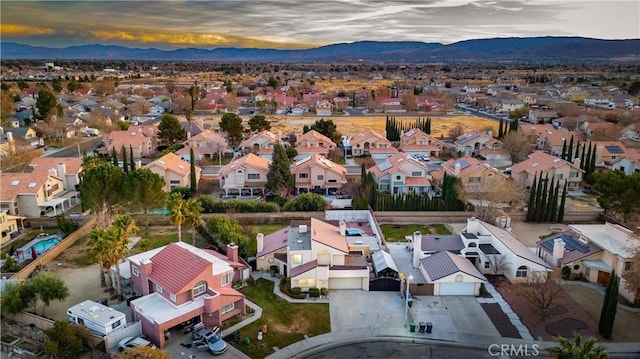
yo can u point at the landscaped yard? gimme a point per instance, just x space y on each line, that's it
397 232
286 322
253 229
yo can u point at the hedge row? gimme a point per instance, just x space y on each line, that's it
210 205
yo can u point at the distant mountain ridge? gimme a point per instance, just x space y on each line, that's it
506 49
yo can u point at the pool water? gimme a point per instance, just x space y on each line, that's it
159 211
42 246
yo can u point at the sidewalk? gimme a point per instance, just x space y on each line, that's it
506 308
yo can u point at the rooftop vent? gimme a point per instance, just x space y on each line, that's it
302 228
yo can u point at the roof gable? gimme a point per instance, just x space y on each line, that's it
443 264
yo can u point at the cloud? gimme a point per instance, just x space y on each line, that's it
24 30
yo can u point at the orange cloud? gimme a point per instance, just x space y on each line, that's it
192 39
24 30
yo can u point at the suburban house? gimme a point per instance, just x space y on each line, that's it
402 174
313 142
542 164
552 141
10 225
69 169
416 142
451 274
174 171
141 140
206 144
610 152
476 176
180 282
261 144
495 154
542 116
500 252
630 163
314 254
471 142
371 143
324 108
32 194
595 250
508 105
244 176
319 175
26 134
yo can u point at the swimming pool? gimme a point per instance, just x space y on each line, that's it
42 246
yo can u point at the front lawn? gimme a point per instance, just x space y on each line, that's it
287 323
397 232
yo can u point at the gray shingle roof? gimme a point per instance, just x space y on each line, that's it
443 264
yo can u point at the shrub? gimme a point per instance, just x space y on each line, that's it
308 202
145 244
296 290
324 291
314 292
575 276
566 272
279 200
210 205
483 289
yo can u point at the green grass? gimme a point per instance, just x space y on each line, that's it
253 229
158 240
339 160
286 322
397 232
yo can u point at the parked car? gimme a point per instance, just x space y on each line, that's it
209 339
132 342
426 158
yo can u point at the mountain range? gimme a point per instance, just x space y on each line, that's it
497 49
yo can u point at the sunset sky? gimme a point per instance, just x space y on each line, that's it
307 23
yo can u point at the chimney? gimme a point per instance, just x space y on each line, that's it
490 133
10 137
302 228
150 132
558 250
232 252
473 225
260 240
456 169
343 228
138 164
188 135
145 271
62 173
417 248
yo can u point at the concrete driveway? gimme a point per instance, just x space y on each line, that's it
451 316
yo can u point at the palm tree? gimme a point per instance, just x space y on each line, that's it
578 348
192 216
175 205
119 232
99 244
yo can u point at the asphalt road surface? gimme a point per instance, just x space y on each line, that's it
393 349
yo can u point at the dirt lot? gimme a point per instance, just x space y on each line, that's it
581 303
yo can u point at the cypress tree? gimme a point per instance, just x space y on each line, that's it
583 156
125 164
554 208
114 156
429 125
532 199
548 206
609 307
570 151
500 130
132 162
587 160
592 164
562 202
564 149
192 173
542 199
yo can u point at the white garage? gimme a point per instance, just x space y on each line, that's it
454 289
451 274
345 283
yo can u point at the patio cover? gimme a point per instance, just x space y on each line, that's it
383 260
599 265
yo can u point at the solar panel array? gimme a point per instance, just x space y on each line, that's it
384 166
614 149
570 244
463 164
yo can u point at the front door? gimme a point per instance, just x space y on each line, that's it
603 277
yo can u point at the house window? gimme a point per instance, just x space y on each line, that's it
474 179
398 177
320 177
135 271
459 278
54 187
332 181
574 174
303 175
253 176
487 264
172 297
225 279
306 283
559 176
297 258
158 288
522 272
200 288
587 272
116 325
628 265
227 308
174 182
416 174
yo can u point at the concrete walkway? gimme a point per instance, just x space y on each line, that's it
506 308
257 314
278 292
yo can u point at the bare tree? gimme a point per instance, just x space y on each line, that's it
456 131
490 196
517 145
542 292
497 263
632 274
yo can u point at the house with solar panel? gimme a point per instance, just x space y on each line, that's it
401 173
472 142
475 175
594 251
610 153
416 142
543 164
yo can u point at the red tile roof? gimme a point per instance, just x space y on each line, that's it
175 267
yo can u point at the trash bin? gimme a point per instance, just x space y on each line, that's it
423 327
429 327
412 327
409 300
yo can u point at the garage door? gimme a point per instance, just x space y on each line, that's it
345 283
457 288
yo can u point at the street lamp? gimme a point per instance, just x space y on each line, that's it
406 298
